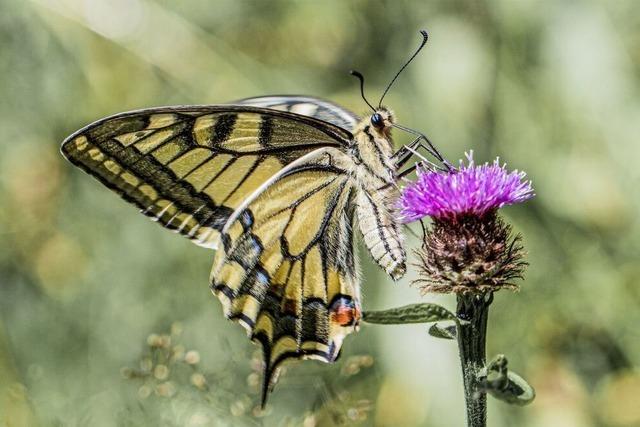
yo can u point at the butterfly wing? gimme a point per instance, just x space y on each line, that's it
307 106
286 268
189 167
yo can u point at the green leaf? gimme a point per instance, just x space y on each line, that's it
506 385
448 333
414 313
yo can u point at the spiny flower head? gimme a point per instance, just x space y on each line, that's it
470 254
468 191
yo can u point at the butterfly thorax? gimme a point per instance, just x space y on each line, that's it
373 151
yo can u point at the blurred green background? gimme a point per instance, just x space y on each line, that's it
552 87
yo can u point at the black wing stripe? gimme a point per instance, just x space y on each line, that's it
266 131
165 182
223 128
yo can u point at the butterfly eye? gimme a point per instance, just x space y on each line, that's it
376 120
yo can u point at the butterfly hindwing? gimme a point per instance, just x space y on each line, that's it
190 167
286 268
307 106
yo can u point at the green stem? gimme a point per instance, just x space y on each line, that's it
473 311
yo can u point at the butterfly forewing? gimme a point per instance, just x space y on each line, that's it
190 167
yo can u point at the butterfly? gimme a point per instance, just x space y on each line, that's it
276 185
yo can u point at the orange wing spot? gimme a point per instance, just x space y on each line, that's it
344 312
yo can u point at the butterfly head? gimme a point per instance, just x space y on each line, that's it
372 136
382 120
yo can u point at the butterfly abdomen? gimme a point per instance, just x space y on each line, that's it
376 208
381 234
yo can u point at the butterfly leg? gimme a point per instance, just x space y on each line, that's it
415 144
404 154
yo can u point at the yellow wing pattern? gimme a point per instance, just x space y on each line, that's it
190 167
285 270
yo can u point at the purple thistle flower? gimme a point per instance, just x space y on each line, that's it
470 190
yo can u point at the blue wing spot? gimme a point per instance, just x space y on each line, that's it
262 278
246 219
255 244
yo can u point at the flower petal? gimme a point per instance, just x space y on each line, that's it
470 190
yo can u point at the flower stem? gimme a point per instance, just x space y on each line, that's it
473 310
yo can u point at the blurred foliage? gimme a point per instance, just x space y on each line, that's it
550 86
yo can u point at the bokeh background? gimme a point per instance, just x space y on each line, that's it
91 292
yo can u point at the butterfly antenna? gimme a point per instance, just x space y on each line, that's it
360 77
425 37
